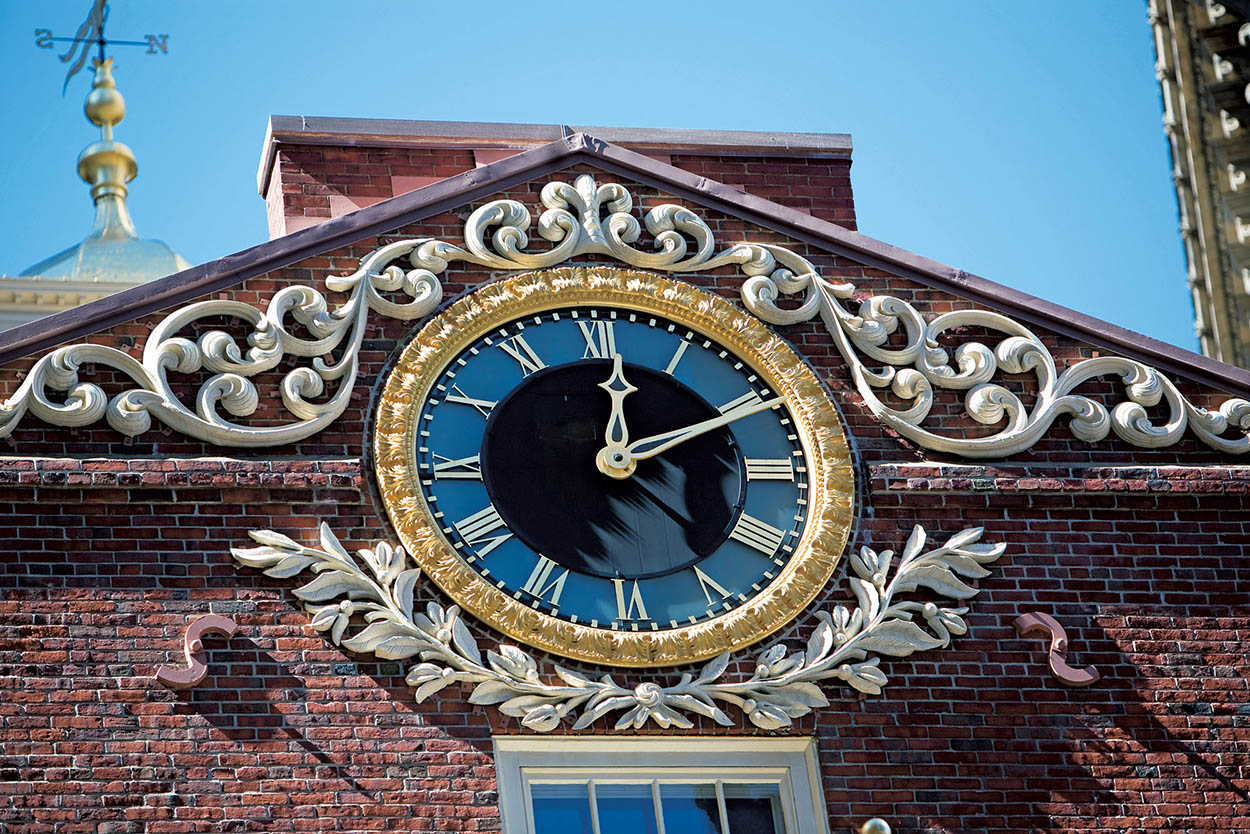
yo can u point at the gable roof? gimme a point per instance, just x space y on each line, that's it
455 191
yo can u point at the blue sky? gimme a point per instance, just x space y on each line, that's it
1028 151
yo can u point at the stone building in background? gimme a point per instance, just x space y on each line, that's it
1202 50
112 256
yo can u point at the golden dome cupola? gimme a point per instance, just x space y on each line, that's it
112 256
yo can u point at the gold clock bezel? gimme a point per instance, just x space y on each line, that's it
439 342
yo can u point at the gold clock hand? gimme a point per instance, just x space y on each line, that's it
618 388
612 459
620 462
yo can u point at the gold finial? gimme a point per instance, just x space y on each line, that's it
112 253
104 105
106 165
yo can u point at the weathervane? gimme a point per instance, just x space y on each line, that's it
91 31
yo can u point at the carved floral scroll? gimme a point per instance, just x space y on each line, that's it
584 218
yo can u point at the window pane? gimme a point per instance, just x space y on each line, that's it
754 809
625 809
561 809
690 809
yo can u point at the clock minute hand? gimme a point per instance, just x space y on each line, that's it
657 443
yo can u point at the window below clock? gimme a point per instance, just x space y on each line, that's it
675 785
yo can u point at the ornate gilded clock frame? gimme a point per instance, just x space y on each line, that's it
831 498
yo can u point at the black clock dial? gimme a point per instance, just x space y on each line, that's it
510 441
538 464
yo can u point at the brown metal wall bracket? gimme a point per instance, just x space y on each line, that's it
209 625
1036 622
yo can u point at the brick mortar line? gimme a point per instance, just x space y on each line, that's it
132 472
993 470
958 478
914 477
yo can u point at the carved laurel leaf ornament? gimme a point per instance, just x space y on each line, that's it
574 222
366 603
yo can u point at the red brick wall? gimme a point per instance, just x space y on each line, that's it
110 546
312 183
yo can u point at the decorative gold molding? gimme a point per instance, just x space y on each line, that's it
824 444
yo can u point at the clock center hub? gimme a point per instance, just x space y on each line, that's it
615 462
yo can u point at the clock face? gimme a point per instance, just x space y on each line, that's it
507 458
610 477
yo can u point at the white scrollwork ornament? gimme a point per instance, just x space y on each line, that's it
584 218
371 596
230 388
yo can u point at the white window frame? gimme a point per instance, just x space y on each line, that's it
787 761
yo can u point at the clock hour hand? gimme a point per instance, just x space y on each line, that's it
624 460
618 389
612 459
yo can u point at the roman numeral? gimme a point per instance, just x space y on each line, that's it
600 339
770 469
519 349
476 530
635 606
706 582
538 585
672 363
748 399
484 406
464 468
754 533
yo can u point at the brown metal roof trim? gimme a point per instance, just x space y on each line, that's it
563 153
